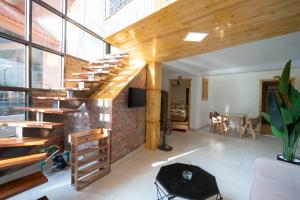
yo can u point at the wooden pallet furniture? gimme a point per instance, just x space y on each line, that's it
90 156
15 187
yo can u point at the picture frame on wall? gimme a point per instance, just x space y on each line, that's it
204 96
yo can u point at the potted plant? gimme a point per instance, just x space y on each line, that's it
284 115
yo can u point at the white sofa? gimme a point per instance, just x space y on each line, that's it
275 180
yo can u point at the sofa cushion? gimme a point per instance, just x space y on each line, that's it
270 189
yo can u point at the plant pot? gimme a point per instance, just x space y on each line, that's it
295 161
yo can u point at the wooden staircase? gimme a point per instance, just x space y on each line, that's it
95 77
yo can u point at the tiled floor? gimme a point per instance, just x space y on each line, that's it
228 157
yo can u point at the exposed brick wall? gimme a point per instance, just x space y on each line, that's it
73 65
128 124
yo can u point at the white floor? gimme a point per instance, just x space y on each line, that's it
227 157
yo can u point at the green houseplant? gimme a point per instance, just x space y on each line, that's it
284 115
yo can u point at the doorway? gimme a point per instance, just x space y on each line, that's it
266 86
179 103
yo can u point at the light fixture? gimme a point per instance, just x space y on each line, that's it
195 37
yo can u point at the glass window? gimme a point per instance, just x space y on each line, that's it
46 69
112 6
12 64
57 4
46 28
90 13
83 45
12 17
9 100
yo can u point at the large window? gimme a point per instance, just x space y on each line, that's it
12 17
57 4
33 47
46 69
12 63
89 13
9 100
83 45
46 28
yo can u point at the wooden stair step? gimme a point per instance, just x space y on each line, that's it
47 110
73 89
91 73
61 98
22 160
118 55
31 124
20 185
100 67
21 142
85 80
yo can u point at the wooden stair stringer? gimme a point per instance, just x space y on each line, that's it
119 82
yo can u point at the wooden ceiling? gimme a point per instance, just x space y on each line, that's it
159 37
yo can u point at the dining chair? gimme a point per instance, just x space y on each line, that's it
252 124
213 122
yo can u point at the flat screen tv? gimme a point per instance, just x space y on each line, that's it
136 97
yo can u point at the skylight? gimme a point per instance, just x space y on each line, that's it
195 37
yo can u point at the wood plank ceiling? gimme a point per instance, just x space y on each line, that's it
159 37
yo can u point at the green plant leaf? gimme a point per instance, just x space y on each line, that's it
277 133
284 80
287 116
266 116
295 110
293 94
296 134
274 111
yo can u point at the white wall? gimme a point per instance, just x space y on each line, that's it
239 93
231 93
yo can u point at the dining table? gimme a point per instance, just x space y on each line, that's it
239 117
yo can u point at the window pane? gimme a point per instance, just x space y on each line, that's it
9 100
46 28
112 6
46 69
90 13
12 64
57 4
83 45
12 17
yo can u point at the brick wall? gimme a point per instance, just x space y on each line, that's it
128 124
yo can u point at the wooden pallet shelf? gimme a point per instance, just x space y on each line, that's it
90 156
22 184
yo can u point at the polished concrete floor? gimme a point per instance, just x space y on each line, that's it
227 157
